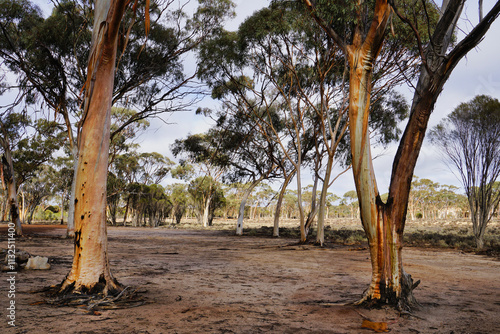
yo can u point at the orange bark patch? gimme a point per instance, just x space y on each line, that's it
379 327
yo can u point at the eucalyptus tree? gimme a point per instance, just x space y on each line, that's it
384 222
177 193
124 141
125 163
90 272
25 145
49 56
157 204
206 196
267 96
262 199
125 167
250 156
114 190
12 123
131 176
431 200
350 199
331 199
63 177
469 138
38 189
420 196
290 68
154 166
205 153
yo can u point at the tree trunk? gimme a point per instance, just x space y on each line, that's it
303 236
372 215
10 182
383 238
23 210
126 212
4 211
30 215
206 211
62 207
479 222
314 207
90 272
320 236
70 228
241 214
277 213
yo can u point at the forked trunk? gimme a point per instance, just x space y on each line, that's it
90 272
389 283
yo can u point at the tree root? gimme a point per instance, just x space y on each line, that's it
405 303
127 298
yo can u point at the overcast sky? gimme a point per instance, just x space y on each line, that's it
478 73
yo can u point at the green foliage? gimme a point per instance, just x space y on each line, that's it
115 188
179 198
31 143
49 56
204 189
38 189
431 200
385 115
33 150
155 167
122 139
202 149
183 171
423 15
149 201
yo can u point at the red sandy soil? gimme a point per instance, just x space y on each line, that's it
208 281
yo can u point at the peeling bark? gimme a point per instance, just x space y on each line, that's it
384 236
90 272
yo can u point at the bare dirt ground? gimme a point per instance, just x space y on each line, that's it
209 281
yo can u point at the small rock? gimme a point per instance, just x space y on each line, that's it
38 263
